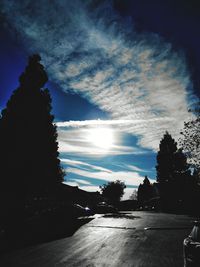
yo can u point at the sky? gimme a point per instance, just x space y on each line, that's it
121 74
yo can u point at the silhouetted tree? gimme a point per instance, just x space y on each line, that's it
171 161
113 191
145 192
28 138
165 159
173 173
134 195
190 140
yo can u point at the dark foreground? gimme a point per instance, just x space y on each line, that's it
137 239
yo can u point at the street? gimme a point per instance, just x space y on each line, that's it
137 239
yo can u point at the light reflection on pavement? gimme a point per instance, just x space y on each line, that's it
113 241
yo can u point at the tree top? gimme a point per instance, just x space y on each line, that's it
34 74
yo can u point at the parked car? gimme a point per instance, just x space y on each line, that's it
191 247
79 211
105 208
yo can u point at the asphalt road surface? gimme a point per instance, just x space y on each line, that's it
135 239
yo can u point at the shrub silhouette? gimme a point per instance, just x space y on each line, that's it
113 191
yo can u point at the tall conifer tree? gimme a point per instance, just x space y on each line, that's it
171 161
173 174
28 138
166 159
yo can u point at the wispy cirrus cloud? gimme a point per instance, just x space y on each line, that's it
130 178
89 49
116 123
81 164
75 142
88 174
84 165
135 168
81 182
91 123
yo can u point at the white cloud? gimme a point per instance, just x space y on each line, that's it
80 181
75 141
129 173
116 123
128 192
90 188
92 51
129 177
135 168
92 151
71 183
92 123
79 164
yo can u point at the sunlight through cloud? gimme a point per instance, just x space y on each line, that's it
101 137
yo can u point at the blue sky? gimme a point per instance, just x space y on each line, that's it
111 66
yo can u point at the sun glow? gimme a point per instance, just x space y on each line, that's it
101 137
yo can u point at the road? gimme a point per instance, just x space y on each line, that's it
135 239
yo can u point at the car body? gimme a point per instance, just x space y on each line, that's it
80 211
105 208
191 247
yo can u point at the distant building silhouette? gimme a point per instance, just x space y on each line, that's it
73 194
